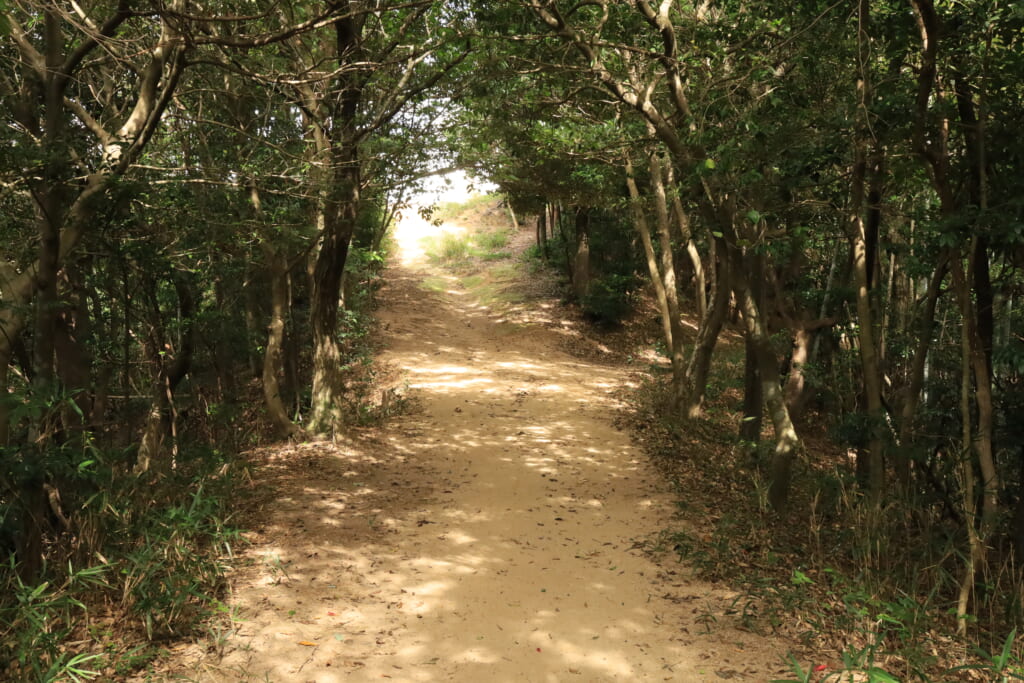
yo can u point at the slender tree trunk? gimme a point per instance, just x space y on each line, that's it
581 259
682 222
787 443
915 382
72 332
545 232
277 266
699 367
659 173
870 370
753 395
161 421
974 355
5 414
663 281
251 299
512 215
796 382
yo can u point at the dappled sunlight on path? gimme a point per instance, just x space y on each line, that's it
491 535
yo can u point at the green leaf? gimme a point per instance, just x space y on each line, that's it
799 578
709 164
880 676
754 215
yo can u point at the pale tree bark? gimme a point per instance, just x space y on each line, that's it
787 442
870 370
662 281
581 257
863 258
168 372
976 362
682 223
976 318
277 268
699 366
668 273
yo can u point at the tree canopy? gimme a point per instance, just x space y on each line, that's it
194 200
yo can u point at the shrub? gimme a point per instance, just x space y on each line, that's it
610 299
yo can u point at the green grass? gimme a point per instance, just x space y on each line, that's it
435 284
492 241
451 210
447 247
450 248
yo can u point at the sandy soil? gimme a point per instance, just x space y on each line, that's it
493 534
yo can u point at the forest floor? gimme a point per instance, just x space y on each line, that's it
494 531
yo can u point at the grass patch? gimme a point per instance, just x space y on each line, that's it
435 283
449 211
492 241
449 248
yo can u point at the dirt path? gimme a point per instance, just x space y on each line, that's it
491 535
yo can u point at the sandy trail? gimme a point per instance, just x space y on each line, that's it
489 536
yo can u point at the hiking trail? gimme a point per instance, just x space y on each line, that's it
492 534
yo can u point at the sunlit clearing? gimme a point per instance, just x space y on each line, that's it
452 187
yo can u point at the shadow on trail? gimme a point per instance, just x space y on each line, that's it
488 536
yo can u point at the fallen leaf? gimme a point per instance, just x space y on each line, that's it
307 643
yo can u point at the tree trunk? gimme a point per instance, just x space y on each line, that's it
915 382
711 323
659 172
753 396
5 401
545 231
663 281
682 221
870 369
581 259
161 421
277 266
72 331
787 443
253 314
974 355
796 382
340 212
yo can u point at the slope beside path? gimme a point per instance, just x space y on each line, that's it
492 534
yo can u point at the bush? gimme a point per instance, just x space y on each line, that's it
147 554
610 299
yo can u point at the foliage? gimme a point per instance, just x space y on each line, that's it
610 299
150 557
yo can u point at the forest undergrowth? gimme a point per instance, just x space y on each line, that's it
138 562
858 586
